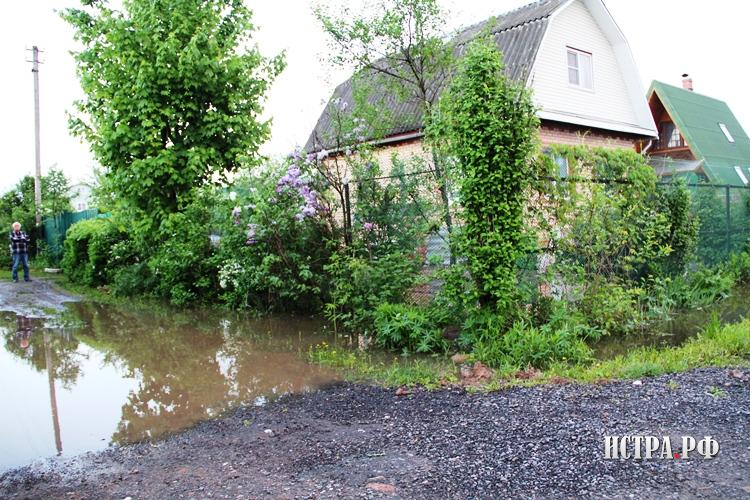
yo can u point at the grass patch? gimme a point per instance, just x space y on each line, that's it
717 346
399 371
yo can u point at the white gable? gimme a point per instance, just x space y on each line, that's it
615 100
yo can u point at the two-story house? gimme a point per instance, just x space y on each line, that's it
573 56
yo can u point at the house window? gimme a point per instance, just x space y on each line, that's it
726 132
562 166
669 136
741 174
580 72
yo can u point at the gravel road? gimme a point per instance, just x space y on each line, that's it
363 442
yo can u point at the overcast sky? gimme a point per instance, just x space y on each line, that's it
708 40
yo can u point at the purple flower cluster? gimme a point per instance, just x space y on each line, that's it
368 226
294 181
236 214
251 234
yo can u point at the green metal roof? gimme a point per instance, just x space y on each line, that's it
697 118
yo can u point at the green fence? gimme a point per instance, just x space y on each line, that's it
724 214
56 227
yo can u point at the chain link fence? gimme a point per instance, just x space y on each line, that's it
723 212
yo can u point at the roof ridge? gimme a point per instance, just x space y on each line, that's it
529 5
688 92
521 22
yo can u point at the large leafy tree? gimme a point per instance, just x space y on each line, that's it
173 95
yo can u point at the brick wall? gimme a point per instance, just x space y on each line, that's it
554 133
404 150
549 133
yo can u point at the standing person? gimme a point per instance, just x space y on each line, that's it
19 246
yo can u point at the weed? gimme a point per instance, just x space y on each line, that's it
717 392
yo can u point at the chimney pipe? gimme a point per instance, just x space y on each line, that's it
687 82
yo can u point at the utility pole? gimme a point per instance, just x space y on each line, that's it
37 147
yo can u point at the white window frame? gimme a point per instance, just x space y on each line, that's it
580 56
741 174
724 129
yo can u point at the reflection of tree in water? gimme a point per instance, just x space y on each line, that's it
65 359
192 365
173 359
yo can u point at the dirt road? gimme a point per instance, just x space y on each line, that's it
35 299
355 441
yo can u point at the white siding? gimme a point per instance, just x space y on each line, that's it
609 102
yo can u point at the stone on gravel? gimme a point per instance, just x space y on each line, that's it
460 358
382 487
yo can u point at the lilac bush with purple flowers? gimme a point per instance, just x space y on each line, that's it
272 250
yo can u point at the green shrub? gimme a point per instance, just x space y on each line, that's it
359 285
407 328
707 285
87 247
512 342
183 263
489 125
272 254
739 267
525 345
612 307
132 280
455 296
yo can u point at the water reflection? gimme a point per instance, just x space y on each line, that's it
679 328
117 375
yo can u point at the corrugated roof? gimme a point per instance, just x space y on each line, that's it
697 118
518 35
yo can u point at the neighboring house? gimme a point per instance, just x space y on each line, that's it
699 137
80 196
569 52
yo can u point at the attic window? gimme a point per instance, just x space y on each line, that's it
726 132
580 72
669 136
741 174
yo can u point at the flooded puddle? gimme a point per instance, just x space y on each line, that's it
108 375
679 328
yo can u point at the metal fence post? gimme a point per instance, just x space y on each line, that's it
347 215
729 222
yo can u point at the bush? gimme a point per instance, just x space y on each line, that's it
359 285
406 328
524 345
87 246
739 267
612 307
132 280
273 249
183 264
455 296
489 125
514 342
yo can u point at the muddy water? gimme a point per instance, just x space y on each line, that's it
680 327
105 375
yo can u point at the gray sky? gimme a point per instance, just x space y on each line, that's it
667 37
